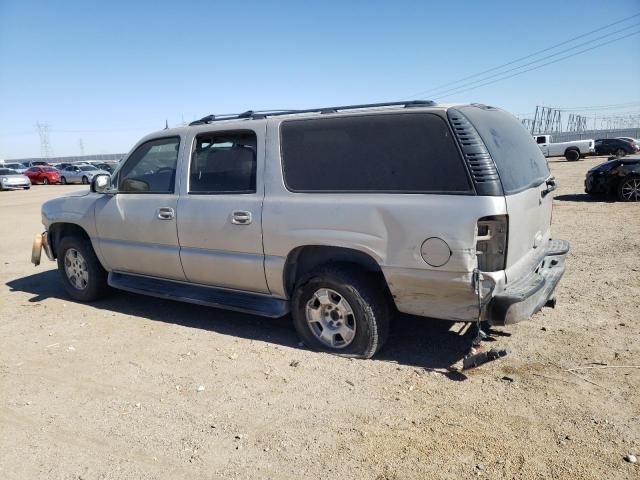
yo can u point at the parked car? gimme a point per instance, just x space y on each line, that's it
18 167
617 176
62 166
634 141
614 146
572 151
107 167
10 179
37 163
79 174
339 215
44 175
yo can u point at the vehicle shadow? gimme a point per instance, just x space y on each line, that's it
584 197
428 344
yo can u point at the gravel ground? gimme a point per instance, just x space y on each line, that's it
133 387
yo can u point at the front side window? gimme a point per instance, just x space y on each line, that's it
151 168
223 162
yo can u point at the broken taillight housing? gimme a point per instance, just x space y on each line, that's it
491 243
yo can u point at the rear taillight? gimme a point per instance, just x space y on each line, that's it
491 243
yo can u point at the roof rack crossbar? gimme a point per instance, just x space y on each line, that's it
259 114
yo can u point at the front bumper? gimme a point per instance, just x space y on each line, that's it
41 241
523 297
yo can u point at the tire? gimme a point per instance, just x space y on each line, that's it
572 155
629 189
82 288
620 153
85 180
45 181
364 316
63 180
27 188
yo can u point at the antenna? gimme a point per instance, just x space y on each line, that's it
45 144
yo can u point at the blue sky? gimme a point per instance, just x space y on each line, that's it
109 72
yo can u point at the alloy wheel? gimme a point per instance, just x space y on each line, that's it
75 267
331 318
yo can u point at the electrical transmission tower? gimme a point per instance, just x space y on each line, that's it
45 144
546 120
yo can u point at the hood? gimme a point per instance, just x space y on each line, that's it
606 166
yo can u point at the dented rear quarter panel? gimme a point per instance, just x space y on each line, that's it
389 228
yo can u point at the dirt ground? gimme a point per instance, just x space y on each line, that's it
110 390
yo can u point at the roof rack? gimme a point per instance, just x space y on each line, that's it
260 114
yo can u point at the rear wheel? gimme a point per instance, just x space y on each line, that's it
63 180
572 155
82 274
85 180
341 311
629 189
620 153
45 181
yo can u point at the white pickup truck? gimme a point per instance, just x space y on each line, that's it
572 151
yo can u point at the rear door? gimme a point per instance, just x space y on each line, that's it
220 210
524 173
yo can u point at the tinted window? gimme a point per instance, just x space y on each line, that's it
406 153
540 140
7 171
151 168
49 169
519 160
224 162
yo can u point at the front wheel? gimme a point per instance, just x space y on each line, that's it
82 274
620 153
45 181
629 189
85 180
341 311
63 180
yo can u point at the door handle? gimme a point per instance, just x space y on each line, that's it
166 213
240 217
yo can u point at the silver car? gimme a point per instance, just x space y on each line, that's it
10 180
339 215
79 174
18 167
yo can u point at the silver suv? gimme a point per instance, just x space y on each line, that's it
338 215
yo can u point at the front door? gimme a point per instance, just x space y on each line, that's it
220 211
136 226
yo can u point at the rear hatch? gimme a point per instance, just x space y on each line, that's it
524 174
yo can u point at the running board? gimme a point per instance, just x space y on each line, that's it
210 296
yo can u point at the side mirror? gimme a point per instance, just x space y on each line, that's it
101 183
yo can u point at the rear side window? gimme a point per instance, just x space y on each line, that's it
223 162
519 160
402 153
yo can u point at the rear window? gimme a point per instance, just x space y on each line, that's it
519 160
403 153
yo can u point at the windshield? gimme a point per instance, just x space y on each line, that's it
49 169
14 165
7 171
87 169
519 160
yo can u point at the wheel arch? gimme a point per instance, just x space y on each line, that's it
59 230
304 259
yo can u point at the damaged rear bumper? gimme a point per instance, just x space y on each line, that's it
522 298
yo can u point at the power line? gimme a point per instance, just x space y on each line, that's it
536 67
536 61
553 47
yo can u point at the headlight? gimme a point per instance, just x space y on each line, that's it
4 179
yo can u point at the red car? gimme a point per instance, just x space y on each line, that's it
44 175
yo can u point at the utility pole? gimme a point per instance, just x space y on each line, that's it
81 145
45 143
